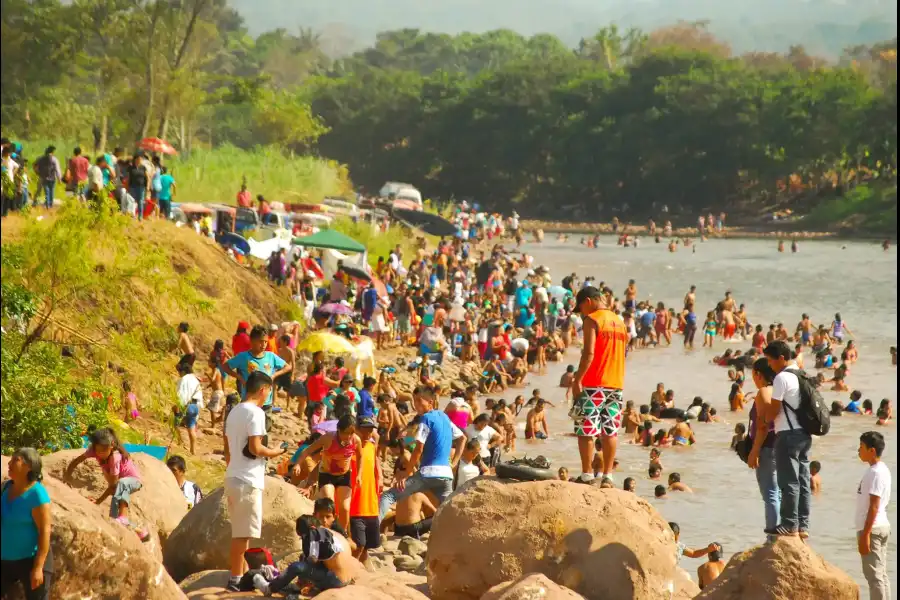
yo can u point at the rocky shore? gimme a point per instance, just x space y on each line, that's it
492 540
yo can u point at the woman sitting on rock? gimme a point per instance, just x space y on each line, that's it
25 554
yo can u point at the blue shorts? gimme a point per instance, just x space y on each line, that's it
190 415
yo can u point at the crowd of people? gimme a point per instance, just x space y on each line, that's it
133 182
473 299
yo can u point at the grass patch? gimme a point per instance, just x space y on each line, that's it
378 243
866 208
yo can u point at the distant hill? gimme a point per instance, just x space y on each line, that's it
823 27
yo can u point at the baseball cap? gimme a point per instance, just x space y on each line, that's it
243 325
586 293
348 378
273 327
366 421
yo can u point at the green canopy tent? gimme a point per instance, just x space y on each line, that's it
328 238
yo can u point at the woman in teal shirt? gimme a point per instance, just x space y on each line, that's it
25 528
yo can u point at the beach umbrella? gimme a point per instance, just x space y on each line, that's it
327 427
157 146
235 241
335 308
324 341
429 223
356 272
558 291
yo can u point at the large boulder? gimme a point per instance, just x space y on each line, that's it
398 586
94 556
601 543
354 592
531 587
159 505
785 570
201 541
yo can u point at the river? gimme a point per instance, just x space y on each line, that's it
857 279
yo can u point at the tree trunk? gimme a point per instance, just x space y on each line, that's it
149 75
104 133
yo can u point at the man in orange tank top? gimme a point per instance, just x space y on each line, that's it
597 385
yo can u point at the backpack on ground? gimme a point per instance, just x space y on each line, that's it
812 414
258 557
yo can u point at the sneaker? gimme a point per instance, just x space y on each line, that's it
233 585
584 478
608 478
260 583
804 534
142 534
783 531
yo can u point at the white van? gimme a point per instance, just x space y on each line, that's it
401 191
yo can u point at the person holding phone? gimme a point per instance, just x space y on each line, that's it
245 454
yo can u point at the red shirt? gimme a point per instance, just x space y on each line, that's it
240 343
316 388
78 166
243 199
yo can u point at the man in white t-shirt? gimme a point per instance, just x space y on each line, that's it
792 443
245 455
873 530
485 434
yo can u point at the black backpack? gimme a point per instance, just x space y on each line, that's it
812 414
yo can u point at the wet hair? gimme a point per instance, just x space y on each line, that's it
659 491
324 505
629 482
836 409
867 405
660 435
716 555
712 411
815 466
874 440
345 422
257 381
740 429
698 401
762 368
778 349
258 332
674 527
176 463
105 436
644 409
183 327
855 395
674 477
31 458
654 470
305 524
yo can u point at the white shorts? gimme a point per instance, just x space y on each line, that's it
245 508
216 402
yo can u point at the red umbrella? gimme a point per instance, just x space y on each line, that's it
157 146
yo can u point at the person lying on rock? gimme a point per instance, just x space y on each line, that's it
327 563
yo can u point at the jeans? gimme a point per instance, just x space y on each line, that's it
15 572
315 573
49 189
792 466
387 500
139 193
23 202
125 487
439 486
768 486
875 564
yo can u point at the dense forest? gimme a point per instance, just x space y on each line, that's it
625 121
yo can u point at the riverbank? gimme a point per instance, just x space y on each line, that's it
789 230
